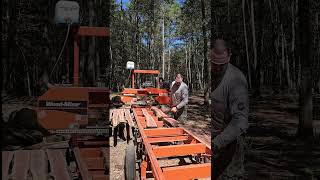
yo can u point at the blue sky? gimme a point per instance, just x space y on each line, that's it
125 2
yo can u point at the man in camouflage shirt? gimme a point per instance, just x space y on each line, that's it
230 108
179 99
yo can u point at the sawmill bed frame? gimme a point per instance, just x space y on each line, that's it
159 137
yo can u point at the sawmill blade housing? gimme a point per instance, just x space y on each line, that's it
70 108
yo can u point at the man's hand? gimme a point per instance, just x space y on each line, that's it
174 109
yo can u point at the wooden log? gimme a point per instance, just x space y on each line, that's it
129 118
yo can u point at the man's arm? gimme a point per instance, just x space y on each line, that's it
184 96
239 110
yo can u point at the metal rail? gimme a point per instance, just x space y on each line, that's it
153 139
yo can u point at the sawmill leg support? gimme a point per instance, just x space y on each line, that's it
128 129
115 136
144 165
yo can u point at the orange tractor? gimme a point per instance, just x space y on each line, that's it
147 88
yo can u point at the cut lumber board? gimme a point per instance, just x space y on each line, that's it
129 118
159 113
170 121
38 165
151 123
58 165
21 165
118 116
6 160
121 115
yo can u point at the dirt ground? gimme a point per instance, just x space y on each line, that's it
273 151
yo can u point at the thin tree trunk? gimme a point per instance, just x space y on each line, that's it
163 48
293 29
305 128
205 53
246 41
10 41
228 2
92 42
169 62
137 36
186 63
287 64
283 69
254 45
107 59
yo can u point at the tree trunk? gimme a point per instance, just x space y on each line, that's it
254 46
305 128
163 48
205 54
10 41
169 62
293 42
107 58
92 41
246 41
137 36
186 63
189 67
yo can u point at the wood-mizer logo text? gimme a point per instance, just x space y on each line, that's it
62 104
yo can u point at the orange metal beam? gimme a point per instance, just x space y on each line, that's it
139 71
167 139
169 135
179 150
188 172
132 79
208 151
96 163
159 124
164 132
90 152
76 61
156 170
93 31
